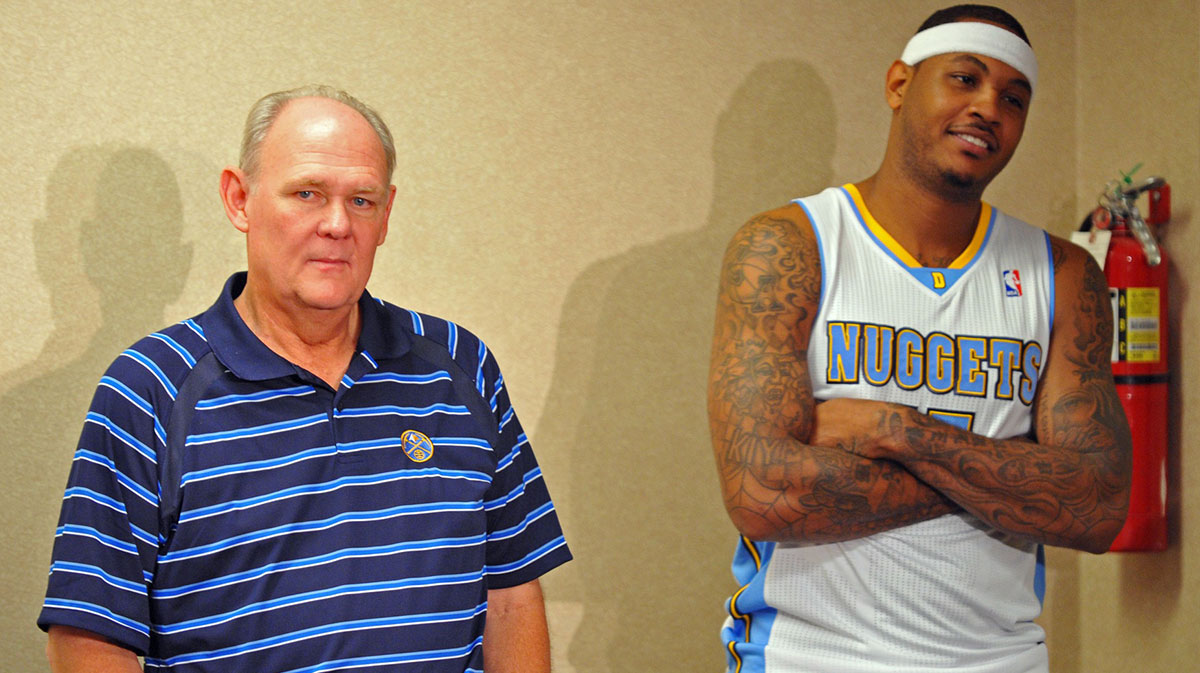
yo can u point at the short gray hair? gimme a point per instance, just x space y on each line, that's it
266 110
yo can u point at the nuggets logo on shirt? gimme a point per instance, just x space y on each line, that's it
416 445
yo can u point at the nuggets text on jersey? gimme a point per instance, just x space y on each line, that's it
942 363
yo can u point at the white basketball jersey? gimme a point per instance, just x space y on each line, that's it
965 344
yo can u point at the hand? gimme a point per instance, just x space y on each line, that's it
861 427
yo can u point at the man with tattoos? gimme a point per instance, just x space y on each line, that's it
910 392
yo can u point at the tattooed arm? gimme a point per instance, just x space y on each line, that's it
760 403
1070 487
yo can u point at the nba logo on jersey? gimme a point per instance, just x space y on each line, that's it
1012 283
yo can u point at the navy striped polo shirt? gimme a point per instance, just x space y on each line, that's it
317 529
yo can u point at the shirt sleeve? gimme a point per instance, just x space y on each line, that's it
524 538
107 538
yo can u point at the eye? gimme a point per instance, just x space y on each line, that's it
963 78
1015 101
361 202
304 194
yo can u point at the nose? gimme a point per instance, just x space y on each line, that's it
335 222
986 105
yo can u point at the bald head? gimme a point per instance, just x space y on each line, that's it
305 131
267 110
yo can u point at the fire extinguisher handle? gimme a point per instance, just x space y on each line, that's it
1149 183
1143 234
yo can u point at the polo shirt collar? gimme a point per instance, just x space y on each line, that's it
250 359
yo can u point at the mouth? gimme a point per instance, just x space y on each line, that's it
976 138
328 261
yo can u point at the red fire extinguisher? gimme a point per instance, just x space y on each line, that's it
1136 268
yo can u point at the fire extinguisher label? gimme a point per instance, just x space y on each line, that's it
1137 324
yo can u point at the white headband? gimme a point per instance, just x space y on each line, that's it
973 37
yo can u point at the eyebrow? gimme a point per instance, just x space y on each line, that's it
321 184
305 182
1019 82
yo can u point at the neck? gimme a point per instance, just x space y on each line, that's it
931 227
320 341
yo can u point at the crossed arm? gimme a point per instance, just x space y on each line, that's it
795 470
777 486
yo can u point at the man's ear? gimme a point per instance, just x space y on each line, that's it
235 191
898 78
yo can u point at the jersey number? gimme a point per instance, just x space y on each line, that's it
958 419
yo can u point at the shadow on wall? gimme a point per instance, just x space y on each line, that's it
625 416
114 223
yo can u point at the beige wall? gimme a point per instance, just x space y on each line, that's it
1138 99
569 173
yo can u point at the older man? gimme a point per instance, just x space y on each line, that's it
304 477
911 392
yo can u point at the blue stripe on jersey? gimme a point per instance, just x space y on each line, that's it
496 393
1039 575
507 460
99 573
376 377
439 408
137 401
747 634
529 518
195 327
820 251
97 610
257 465
256 431
154 369
517 492
323 452
328 486
89 494
479 370
310 596
126 392
531 557
1050 266
386 659
418 326
452 339
472 442
315 561
89 532
370 360
146 537
263 396
322 524
330 629
106 462
508 416
174 345
121 434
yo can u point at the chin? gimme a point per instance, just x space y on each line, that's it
962 186
329 300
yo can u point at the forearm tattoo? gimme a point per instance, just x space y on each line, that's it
1070 486
761 405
